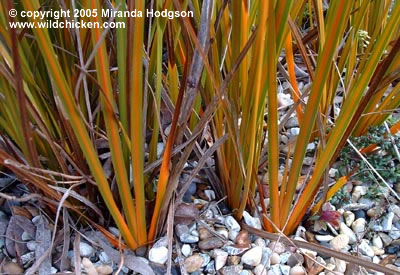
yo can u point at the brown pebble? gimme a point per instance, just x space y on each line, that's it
193 263
210 243
12 268
242 239
233 260
311 237
104 269
204 233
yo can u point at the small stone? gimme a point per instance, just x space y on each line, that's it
292 122
31 245
394 233
360 213
26 236
204 233
311 146
27 258
358 191
253 256
163 241
193 263
295 259
104 269
275 270
387 240
387 222
251 221
294 131
195 233
375 212
158 255
285 257
285 269
188 238
349 217
232 224
376 260
223 232
232 270
85 249
340 265
211 243
265 260
234 251
186 250
378 251
347 231
210 268
12 268
393 249
377 241
366 249
277 247
275 258
324 238
375 227
54 270
260 270
259 242
396 210
220 258
332 172
340 241
297 270
245 272
206 259
181 229
234 260
358 226
210 194
242 239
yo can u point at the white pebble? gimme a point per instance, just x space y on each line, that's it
232 224
251 221
253 256
186 249
158 255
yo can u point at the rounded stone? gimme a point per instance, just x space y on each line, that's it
210 243
260 270
277 247
324 238
158 255
275 258
186 250
232 224
377 241
193 263
220 258
358 226
253 256
85 249
297 270
349 217
347 231
340 241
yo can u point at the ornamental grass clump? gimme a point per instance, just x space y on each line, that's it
87 109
